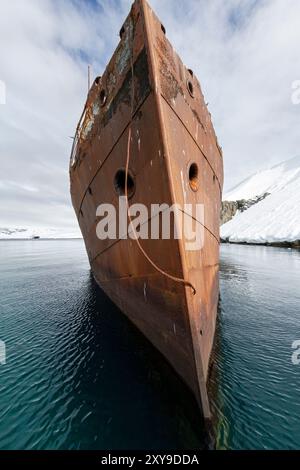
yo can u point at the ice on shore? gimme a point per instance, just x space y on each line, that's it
27 233
275 219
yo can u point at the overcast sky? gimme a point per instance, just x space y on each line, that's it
246 54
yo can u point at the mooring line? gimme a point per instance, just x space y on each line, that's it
155 266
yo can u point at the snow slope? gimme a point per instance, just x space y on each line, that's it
277 217
267 181
9 233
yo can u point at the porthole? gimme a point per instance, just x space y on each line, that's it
119 183
122 31
190 87
194 176
102 97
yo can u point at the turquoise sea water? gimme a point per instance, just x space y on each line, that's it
79 375
257 399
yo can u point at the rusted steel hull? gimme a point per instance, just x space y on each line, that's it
170 130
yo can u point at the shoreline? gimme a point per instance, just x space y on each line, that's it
295 244
38 240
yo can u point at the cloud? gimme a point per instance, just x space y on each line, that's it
45 47
245 54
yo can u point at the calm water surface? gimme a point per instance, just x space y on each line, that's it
79 375
256 387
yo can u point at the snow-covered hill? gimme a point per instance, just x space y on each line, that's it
275 219
12 233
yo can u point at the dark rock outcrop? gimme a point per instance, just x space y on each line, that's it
228 211
230 208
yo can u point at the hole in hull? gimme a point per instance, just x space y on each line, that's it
119 183
102 97
193 176
122 31
190 87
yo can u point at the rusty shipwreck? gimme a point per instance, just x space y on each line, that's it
148 107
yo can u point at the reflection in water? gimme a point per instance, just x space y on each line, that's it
78 374
142 395
255 388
